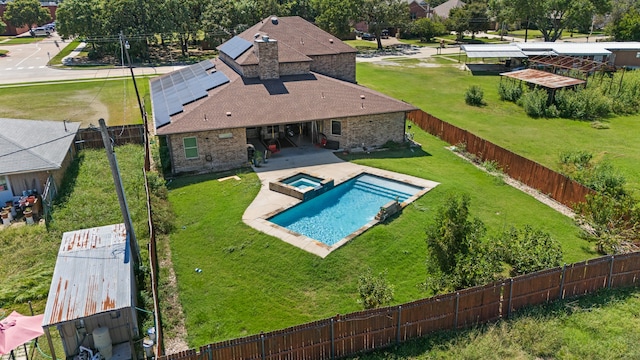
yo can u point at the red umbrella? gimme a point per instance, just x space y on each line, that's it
17 329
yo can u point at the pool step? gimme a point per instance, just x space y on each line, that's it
375 189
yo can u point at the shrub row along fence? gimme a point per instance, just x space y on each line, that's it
547 181
91 138
345 335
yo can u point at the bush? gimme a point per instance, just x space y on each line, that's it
509 91
534 102
586 104
529 250
458 256
474 96
374 290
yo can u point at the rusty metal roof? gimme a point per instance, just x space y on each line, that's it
570 63
543 78
90 276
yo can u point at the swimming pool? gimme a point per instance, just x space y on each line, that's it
344 209
303 181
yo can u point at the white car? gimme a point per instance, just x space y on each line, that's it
40 31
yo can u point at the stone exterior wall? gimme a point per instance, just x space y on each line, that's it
370 130
250 71
342 66
296 68
267 52
214 153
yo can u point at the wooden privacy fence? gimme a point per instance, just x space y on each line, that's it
345 335
547 181
90 138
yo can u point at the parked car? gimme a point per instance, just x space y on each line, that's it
50 26
384 34
40 31
367 36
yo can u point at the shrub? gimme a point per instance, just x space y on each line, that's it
374 290
474 96
534 102
585 104
458 256
528 250
509 91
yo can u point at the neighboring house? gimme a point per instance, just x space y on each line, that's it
11 30
32 152
443 9
283 82
418 9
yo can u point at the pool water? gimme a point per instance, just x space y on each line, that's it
303 181
344 209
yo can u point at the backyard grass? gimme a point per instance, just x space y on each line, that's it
605 325
440 92
86 101
252 282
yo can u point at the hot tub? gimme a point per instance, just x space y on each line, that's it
301 186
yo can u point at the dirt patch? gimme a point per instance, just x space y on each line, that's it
178 340
91 107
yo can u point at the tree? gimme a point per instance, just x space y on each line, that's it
79 18
472 17
374 290
334 16
3 27
28 13
383 14
627 28
552 17
426 29
457 255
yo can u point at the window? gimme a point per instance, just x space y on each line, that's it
336 127
190 147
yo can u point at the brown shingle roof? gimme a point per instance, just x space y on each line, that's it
297 39
290 99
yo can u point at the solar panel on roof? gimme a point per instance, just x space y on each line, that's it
206 64
235 47
214 80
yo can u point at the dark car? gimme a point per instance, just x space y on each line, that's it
367 36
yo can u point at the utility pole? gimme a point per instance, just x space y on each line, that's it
132 243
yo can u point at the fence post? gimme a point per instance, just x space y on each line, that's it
262 344
399 323
455 325
561 295
610 272
209 352
510 297
333 342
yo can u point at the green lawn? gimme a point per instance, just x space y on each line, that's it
113 99
22 40
440 92
252 282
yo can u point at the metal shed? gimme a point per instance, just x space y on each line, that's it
93 288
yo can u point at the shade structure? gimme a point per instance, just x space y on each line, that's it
16 329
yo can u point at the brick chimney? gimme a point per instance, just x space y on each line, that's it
266 51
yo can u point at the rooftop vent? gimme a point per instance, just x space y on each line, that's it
256 35
265 38
274 20
331 41
362 97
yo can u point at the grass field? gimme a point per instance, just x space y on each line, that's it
440 92
86 101
21 40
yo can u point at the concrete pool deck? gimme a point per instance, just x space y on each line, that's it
318 162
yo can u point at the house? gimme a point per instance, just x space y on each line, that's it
444 9
92 298
419 9
281 83
33 153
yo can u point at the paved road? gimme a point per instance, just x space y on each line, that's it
28 63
